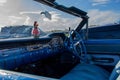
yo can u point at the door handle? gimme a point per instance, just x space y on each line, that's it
103 60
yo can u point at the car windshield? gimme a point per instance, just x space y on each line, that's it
17 16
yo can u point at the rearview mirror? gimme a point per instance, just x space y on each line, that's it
47 14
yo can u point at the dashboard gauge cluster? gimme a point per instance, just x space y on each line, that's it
56 42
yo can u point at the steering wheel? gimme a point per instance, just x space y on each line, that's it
76 45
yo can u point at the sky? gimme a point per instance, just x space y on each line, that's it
25 12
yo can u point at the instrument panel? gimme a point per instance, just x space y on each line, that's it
56 41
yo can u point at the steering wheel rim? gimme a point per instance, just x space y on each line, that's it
77 47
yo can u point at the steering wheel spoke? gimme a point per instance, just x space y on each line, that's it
77 46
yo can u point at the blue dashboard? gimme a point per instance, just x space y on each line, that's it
17 52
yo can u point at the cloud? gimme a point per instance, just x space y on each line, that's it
99 2
58 22
19 12
30 16
11 9
61 24
30 12
27 20
27 12
13 19
98 17
2 2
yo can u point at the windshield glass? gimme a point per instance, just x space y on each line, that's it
17 16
